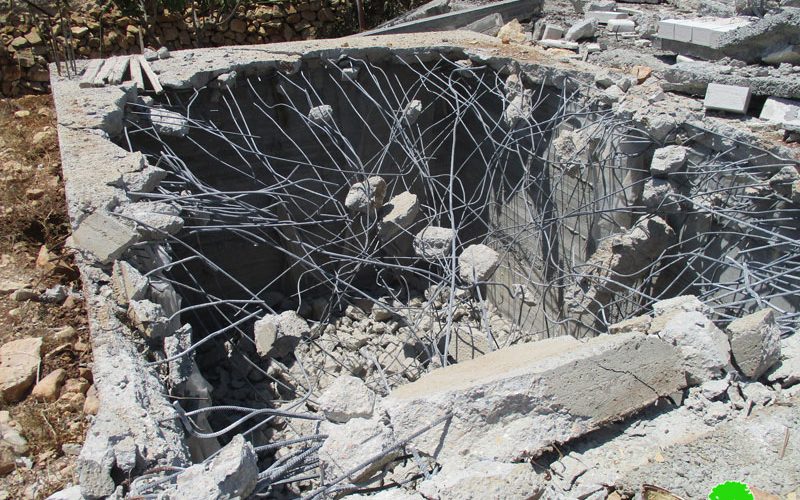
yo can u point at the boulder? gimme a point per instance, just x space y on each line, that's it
704 347
346 398
755 343
19 362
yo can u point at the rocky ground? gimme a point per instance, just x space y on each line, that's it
45 357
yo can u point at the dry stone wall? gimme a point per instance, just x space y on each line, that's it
26 44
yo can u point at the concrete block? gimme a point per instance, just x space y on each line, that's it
605 16
349 445
621 26
346 398
731 98
782 111
519 400
104 236
755 343
553 32
666 29
582 29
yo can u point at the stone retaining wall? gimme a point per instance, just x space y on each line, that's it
26 45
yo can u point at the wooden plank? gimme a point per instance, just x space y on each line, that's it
91 72
117 75
151 75
136 73
509 9
102 75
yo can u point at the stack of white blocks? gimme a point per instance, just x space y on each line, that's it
706 32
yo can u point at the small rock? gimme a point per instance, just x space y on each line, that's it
434 242
346 398
92 403
71 493
163 53
9 286
76 386
477 263
65 334
71 449
34 193
641 73
48 388
19 362
9 431
8 461
668 160
55 295
321 115
755 343
24 295
367 195
22 113
511 32
714 389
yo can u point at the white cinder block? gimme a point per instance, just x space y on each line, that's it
553 32
666 29
731 98
621 26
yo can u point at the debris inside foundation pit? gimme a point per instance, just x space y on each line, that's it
443 265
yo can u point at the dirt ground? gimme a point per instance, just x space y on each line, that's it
33 230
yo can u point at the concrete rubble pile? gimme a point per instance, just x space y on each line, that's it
445 394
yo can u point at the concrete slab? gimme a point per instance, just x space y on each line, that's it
729 98
517 401
104 236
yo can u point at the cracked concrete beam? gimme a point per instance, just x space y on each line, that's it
517 401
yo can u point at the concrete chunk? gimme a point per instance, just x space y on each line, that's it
604 17
519 400
128 283
321 115
621 26
366 195
704 347
346 398
233 473
477 263
412 112
350 444
149 318
553 32
668 160
755 343
731 98
782 111
104 236
400 214
278 334
155 221
586 28
494 480
168 122
788 370
434 242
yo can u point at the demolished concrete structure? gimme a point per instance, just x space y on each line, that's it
313 338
